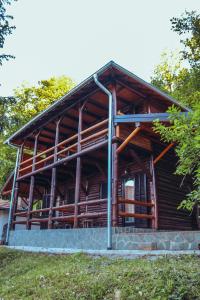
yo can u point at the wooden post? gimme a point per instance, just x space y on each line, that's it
114 165
78 168
16 190
32 183
53 177
154 195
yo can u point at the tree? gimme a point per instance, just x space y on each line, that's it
173 78
27 102
6 162
183 84
30 100
189 24
5 28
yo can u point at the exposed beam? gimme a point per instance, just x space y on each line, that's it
89 113
40 142
163 153
66 159
144 118
99 105
131 88
63 126
128 139
76 119
123 100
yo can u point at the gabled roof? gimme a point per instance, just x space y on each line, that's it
108 71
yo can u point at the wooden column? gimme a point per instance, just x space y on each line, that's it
114 165
53 177
78 168
32 183
16 190
154 195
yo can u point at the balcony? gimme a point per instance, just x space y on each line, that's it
64 150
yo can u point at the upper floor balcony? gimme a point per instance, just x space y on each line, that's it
90 138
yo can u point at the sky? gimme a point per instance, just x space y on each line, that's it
77 37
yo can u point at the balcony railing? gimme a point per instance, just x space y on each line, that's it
89 137
38 217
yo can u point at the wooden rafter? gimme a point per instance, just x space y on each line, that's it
128 139
163 153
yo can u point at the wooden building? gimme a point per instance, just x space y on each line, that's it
92 159
4 210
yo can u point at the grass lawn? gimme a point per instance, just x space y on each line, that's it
42 276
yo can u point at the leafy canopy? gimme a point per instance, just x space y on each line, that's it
27 102
183 83
5 28
188 26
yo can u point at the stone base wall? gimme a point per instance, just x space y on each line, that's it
85 238
157 240
127 238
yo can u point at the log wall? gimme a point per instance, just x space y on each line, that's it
170 193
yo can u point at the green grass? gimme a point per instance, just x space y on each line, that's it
42 276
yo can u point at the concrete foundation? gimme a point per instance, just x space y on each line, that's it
127 238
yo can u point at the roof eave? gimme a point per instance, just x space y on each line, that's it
56 103
84 83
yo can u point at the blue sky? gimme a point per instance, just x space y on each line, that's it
77 37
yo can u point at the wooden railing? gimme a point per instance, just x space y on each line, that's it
64 148
68 208
125 214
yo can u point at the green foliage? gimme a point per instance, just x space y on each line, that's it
185 130
180 82
5 28
31 100
27 102
169 72
78 276
189 24
183 84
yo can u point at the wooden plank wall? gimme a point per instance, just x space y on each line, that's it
170 194
125 170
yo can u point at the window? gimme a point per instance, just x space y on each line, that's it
103 190
37 205
129 193
71 196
